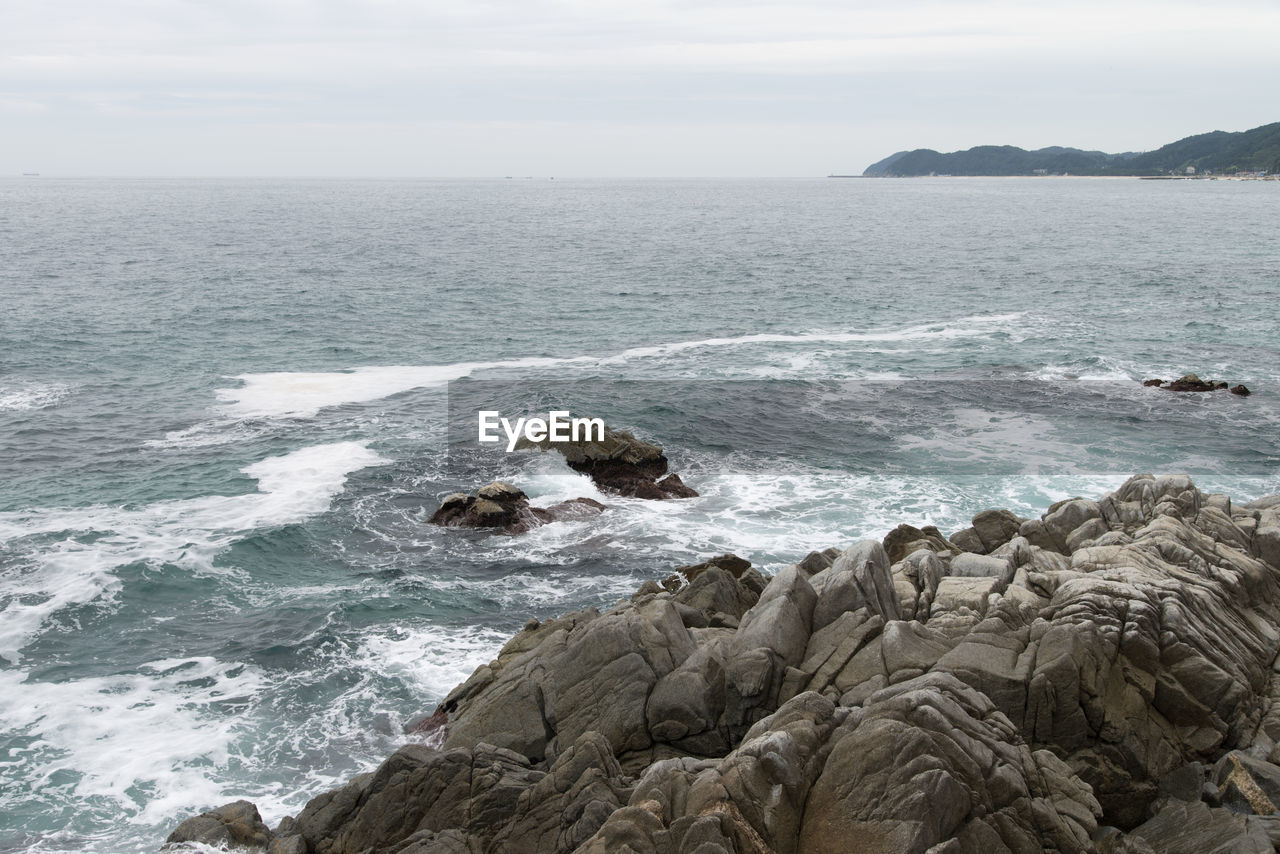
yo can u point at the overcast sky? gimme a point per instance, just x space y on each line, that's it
635 88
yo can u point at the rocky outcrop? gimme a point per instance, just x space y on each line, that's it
1191 382
503 506
991 529
620 463
905 539
236 825
1100 679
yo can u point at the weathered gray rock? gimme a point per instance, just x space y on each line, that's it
994 528
717 592
1195 828
235 824
967 540
859 578
905 539
815 562
1065 691
562 810
930 761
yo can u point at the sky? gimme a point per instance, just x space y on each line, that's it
384 88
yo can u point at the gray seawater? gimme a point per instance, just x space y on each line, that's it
223 414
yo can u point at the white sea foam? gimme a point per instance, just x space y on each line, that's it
302 395
222 431
27 396
1058 373
116 737
431 659
964 327
186 532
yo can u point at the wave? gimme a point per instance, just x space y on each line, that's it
304 394
61 567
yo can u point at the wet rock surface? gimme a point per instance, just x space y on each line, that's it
505 507
1191 382
235 825
1101 679
620 463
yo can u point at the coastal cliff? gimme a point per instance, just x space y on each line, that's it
1099 679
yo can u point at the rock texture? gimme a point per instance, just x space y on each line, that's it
234 825
1100 679
620 463
503 506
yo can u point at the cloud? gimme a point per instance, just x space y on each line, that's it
373 39
977 71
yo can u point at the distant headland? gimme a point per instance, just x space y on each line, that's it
1251 153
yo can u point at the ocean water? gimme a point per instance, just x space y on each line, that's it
225 417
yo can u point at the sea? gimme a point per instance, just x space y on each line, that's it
228 408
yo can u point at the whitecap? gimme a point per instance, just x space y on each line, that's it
430 659
186 532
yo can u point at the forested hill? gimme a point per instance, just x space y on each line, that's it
1218 152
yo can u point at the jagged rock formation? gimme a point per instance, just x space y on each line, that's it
1099 679
620 463
505 507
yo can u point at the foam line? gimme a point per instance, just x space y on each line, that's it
303 395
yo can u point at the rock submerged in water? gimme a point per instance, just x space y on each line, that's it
1191 382
1099 680
505 507
620 463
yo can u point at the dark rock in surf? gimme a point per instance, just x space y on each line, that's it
1191 382
505 507
730 563
235 825
620 463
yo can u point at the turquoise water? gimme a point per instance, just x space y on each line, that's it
223 412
